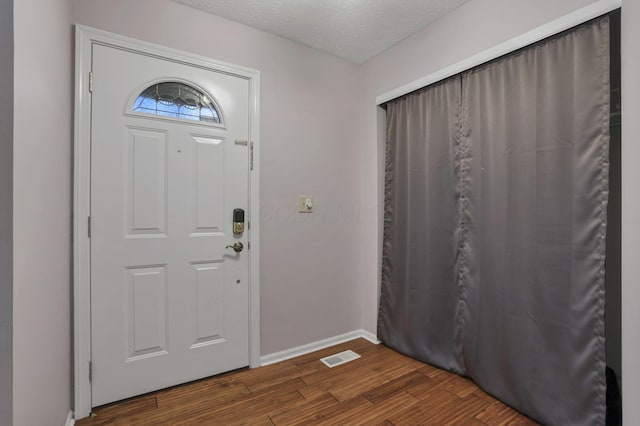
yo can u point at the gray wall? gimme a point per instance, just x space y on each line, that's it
630 211
43 107
6 209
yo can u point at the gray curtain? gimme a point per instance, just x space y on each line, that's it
495 222
419 228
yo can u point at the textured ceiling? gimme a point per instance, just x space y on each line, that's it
355 30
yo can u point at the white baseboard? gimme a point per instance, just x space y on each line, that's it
316 346
369 336
70 420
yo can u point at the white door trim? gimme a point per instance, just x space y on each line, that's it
85 38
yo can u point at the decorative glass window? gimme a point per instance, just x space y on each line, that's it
177 100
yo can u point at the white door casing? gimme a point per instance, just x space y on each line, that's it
167 302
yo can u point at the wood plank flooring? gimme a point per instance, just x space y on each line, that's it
383 387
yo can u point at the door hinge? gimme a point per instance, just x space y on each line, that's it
251 157
248 245
90 82
89 226
90 371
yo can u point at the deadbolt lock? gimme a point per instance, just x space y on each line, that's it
238 221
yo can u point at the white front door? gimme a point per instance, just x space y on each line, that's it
169 303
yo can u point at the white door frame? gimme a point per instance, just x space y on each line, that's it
85 38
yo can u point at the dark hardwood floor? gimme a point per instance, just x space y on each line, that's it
383 387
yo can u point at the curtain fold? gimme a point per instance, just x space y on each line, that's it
420 225
539 133
495 221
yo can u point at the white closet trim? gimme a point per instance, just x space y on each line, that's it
563 23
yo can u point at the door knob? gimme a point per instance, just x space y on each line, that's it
237 247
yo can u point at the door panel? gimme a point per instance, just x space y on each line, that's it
147 182
147 311
208 184
169 303
209 303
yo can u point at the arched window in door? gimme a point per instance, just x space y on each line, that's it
176 99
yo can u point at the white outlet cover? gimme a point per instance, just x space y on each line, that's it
305 204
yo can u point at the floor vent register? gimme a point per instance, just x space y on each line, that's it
339 359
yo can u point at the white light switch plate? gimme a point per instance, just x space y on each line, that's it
305 204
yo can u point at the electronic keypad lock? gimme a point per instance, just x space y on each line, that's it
238 221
